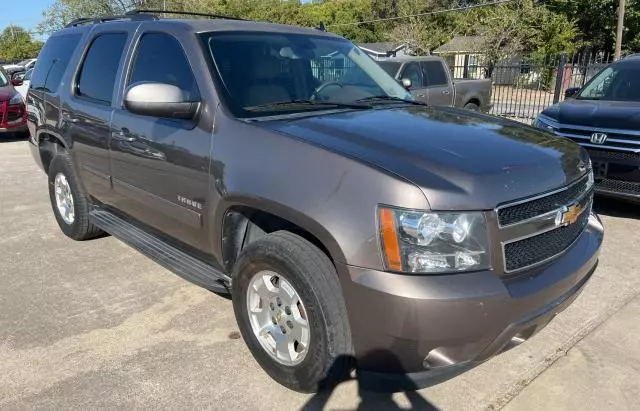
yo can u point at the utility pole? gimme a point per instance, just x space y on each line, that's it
620 30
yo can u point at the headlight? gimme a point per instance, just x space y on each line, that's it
544 124
16 99
425 242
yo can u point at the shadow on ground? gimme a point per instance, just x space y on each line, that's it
616 208
12 138
372 398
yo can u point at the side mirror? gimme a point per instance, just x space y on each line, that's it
572 91
16 82
160 100
406 83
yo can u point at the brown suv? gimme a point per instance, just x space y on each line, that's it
283 166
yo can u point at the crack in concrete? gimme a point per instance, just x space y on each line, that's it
507 396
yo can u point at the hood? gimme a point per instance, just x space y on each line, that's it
624 115
6 92
461 160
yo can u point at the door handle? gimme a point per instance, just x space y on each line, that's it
123 135
421 95
446 92
70 119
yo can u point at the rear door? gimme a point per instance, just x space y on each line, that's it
413 72
438 85
87 115
160 166
43 98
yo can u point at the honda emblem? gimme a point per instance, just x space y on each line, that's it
598 138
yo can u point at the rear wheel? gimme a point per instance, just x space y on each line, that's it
289 307
69 202
472 106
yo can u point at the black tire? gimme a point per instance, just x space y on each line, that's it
472 107
81 228
314 278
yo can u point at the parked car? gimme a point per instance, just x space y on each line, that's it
20 67
347 221
604 117
24 87
430 81
13 117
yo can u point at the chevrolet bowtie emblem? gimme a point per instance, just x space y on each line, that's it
569 215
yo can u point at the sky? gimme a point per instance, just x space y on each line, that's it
24 13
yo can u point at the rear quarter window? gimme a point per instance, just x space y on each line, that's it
53 62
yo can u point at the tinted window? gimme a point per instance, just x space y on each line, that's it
615 83
160 59
100 67
391 67
434 73
53 61
412 72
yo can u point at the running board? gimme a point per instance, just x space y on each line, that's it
181 263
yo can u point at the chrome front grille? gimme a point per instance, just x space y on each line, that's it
623 140
540 248
538 229
520 211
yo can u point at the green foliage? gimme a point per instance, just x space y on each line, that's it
596 21
524 25
17 44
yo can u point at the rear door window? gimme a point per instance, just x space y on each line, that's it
434 74
161 59
53 62
97 77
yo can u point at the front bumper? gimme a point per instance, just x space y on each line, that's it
412 331
620 173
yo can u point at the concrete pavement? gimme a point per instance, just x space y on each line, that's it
97 325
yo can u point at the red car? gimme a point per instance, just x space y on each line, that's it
13 113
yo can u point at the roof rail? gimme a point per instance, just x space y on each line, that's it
182 13
98 20
631 56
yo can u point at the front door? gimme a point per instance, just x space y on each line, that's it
413 72
439 89
160 166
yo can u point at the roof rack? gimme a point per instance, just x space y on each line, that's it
98 20
182 13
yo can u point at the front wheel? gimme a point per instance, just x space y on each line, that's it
289 307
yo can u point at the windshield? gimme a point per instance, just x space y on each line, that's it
3 79
391 67
27 76
615 83
275 73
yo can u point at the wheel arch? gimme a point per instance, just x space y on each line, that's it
245 220
48 146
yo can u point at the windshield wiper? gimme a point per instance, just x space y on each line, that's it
308 103
390 99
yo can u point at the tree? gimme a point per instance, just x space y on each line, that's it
596 21
16 43
62 12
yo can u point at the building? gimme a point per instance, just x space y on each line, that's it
465 56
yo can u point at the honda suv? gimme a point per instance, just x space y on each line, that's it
604 117
350 224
